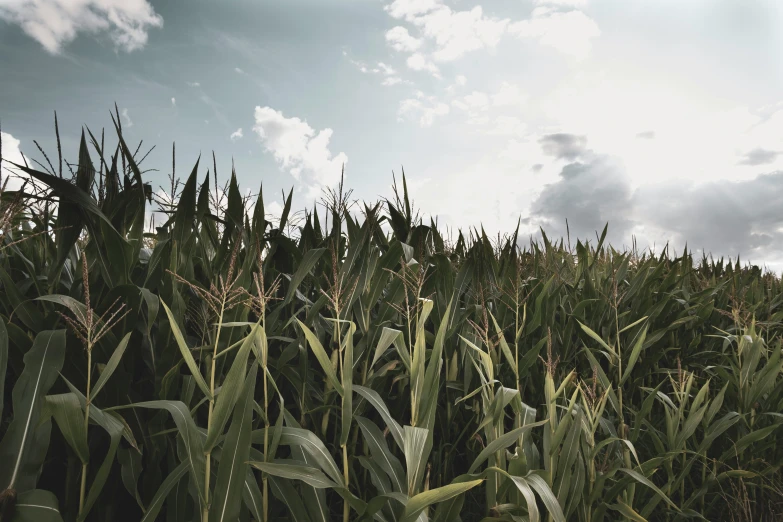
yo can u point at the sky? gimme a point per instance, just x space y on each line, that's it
663 118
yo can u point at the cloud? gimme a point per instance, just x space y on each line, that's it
563 3
238 70
299 149
563 146
418 62
759 156
726 218
11 154
56 23
507 95
424 108
393 80
461 80
647 135
453 33
401 40
237 135
193 84
173 102
128 121
410 9
569 32
588 194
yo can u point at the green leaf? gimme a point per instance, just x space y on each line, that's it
233 459
114 360
627 511
637 349
3 362
68 414
183 348
502 442
41 366
192 439
307 263
312 476
597 337
416 446
99 481
373 398
549 499
323 358
347 375
130 471
638 477
381 454
229 392
420 502
163 492
36 505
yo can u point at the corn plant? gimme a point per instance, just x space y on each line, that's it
351 362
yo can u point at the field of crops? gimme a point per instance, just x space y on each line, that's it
358 365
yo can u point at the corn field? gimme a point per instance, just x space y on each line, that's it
352 363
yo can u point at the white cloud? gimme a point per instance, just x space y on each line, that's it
193 84
564 3
410 9
237 135
418 62
128 121
401 40
298 149
473 101
461 80
508 94
11 154
454 33
55 23
568 32
425 108
238 70
174 102
392 80
388 70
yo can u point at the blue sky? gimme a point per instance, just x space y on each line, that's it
663 118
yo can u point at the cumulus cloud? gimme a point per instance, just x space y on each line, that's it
422 108
453 33
237 135
461 80
563 146
569 32
299 149
759 156
564 3
419 62
401 40
725 218
588 194
55 23
11 154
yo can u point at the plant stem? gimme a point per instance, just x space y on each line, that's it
208 454
83 487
